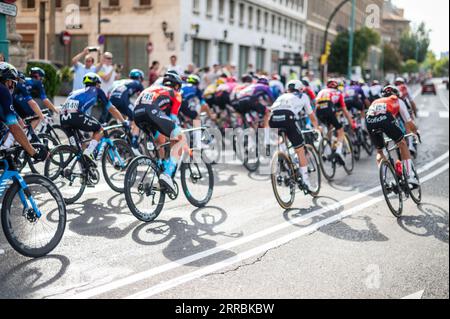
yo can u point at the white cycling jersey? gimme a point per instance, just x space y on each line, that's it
404 113
294 103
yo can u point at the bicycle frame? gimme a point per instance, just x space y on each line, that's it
24 193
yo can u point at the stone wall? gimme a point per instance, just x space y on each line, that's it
17 55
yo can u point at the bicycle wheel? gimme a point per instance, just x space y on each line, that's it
197 180
315 176
349 158
115 161
356 145
367 143
65 169
391 189
251 155
142 190
29 235
58 133
284 184
326 157
415 191
50 143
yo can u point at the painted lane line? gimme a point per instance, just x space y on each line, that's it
443 101
157 289
444 115
190 259
423 114
418 295
2 252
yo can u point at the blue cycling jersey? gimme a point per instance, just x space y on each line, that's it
25 91
7 114
190 91
354 92
85 99
125 89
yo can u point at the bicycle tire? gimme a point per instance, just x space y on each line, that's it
130 179
45 139
350 152
10 234
106 160
323 159
280 156
417 198
385 165
310 150
199 203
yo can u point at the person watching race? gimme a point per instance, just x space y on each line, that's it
156 112
285 116
24 103
328 102
375 91
381 118
79 103
9 78
406 96
120 96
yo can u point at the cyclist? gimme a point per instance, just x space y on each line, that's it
223 92
381 118
79 103
246 80
276 86
406 96
285 116
375 91
328 102
121 93
356 99
308 90
8 117
24 104
156 112
193 103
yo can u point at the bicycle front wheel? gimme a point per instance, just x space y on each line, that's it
415 191
349 156
143 194
315 176
197 180
391 189
115 162
326 158
283 180
30 235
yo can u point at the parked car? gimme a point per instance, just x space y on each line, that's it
428 87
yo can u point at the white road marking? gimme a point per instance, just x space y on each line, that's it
444 115
157 289
2 252
417 295
187 260
443 101
423 114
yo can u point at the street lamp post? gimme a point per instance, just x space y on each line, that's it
352 39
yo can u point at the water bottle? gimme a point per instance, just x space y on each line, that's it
399 168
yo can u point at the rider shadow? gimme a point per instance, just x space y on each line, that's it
97 220
366 232
185 239
33 275
218 181
432 222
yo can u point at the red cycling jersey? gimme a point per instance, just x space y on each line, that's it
167 99
310 92
333 96
385 105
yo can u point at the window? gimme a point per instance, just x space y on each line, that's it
114 3
196 6
250 17
129 51
241 14
200 53
29 4
224 53
84 3
209 8
244 56
221 9
260 59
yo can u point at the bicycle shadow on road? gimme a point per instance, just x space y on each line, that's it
432 222
33 275
361 230
186 238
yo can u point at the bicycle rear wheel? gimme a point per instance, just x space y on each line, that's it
326 157
415 191
349 156
115 162
142 190
284 184
50 143
29 235
67 171
391 189
367 143
315 176
197 180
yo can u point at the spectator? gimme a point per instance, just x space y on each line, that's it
191 69
174 66
251 69
82 69
107 71
2 57
154 72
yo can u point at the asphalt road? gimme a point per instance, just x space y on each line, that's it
345 244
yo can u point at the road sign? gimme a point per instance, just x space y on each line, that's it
66 37
8 9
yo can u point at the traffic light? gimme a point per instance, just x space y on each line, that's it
328 48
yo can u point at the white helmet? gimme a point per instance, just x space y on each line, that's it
295 85
399 80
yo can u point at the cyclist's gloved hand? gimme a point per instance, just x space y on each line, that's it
126 125
41 154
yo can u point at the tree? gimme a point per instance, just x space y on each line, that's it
392 59
414 44
440 69
410 66
364 39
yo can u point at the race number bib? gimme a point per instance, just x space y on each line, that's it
71 105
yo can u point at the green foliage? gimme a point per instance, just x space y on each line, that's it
364 39
66 74
410 66
414 44
440 69
52 79
392 59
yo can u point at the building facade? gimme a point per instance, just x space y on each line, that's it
203 32
394 24
368 12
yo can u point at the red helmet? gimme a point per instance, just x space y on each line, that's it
332 84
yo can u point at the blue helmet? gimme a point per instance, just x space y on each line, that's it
263 80
137 74
37 71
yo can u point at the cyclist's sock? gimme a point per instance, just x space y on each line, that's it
408 167
304 172
91 148
170 166
135 141
198 139
339 148
9 141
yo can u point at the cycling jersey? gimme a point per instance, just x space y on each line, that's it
277 88
24 93
375 92
83 100
310 92
355 97
7 114
256 91
250 99
193 100
392 105
293 102
121 93
328 101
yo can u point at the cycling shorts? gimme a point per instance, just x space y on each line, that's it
222 99
327 115
152 120
384 123
285 121
80 121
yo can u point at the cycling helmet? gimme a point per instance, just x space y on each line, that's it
332 84
92 79
22 77
137 74
375 82
231 79
400 80
172 80
263 80
390 90
8 72
361 82
37 71
247 78
295 85
193 79
305 81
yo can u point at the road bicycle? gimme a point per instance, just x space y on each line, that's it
396 188
286 176
144 195
74 172
360 138
33 212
